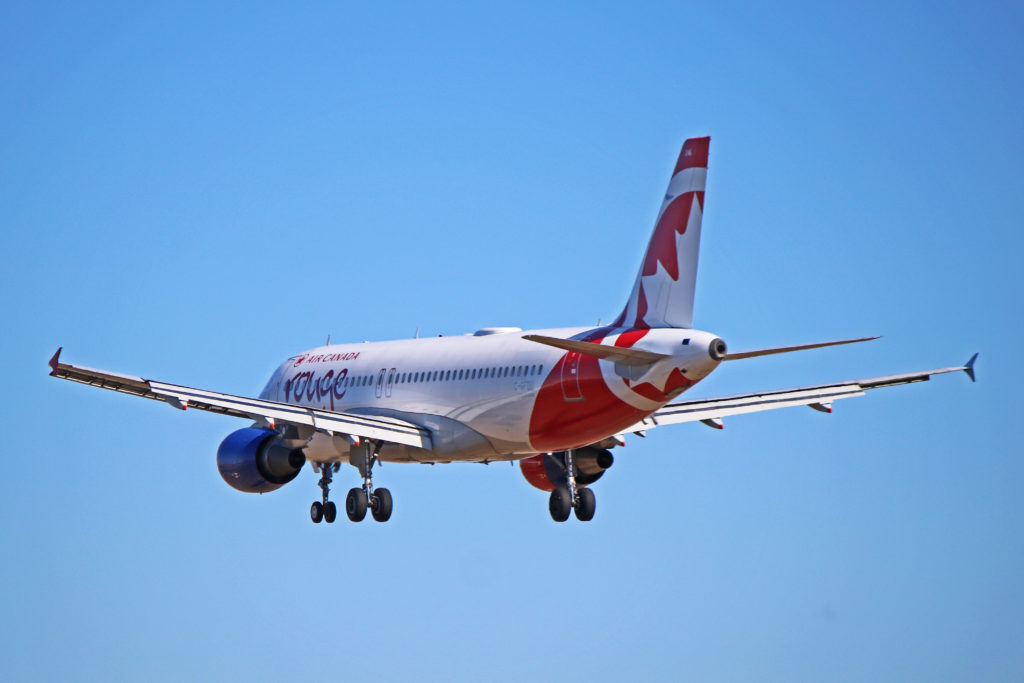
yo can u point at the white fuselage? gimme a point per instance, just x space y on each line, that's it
492 396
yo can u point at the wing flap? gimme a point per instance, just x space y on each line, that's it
716 409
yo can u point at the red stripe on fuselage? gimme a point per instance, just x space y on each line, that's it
557 424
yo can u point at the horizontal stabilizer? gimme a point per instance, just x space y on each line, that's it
616 354
786 349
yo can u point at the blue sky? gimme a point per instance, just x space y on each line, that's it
192 194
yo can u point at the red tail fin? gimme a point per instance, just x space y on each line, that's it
663 292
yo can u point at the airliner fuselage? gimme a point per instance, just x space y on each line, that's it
495 395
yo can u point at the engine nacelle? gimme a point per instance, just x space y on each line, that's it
547 471
254 461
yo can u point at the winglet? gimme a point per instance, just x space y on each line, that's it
55 361
969 368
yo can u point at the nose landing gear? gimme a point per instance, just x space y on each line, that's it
324 510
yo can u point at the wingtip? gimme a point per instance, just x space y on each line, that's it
969 367
55 361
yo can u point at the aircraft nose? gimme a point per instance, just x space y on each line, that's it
717 349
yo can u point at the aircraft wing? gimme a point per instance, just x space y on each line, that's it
267 412
820 397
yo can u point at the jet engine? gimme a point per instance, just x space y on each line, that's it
548 471
254 460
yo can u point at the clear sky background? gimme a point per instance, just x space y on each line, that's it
193 194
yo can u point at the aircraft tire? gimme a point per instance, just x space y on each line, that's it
355 505
586 505
316 512
560 504
330 512
382 505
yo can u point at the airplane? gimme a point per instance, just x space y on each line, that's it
555 400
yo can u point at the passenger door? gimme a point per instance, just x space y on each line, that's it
571 389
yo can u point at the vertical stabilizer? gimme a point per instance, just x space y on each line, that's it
663 292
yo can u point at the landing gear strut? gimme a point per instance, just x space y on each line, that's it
378 501
570 497
326 510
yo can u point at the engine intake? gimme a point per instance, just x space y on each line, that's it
253 460
547 471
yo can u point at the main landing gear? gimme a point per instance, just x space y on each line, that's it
570 497
358 500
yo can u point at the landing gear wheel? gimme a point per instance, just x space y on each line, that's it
586 504
316 512
381 505
330 512
355 505
560 504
